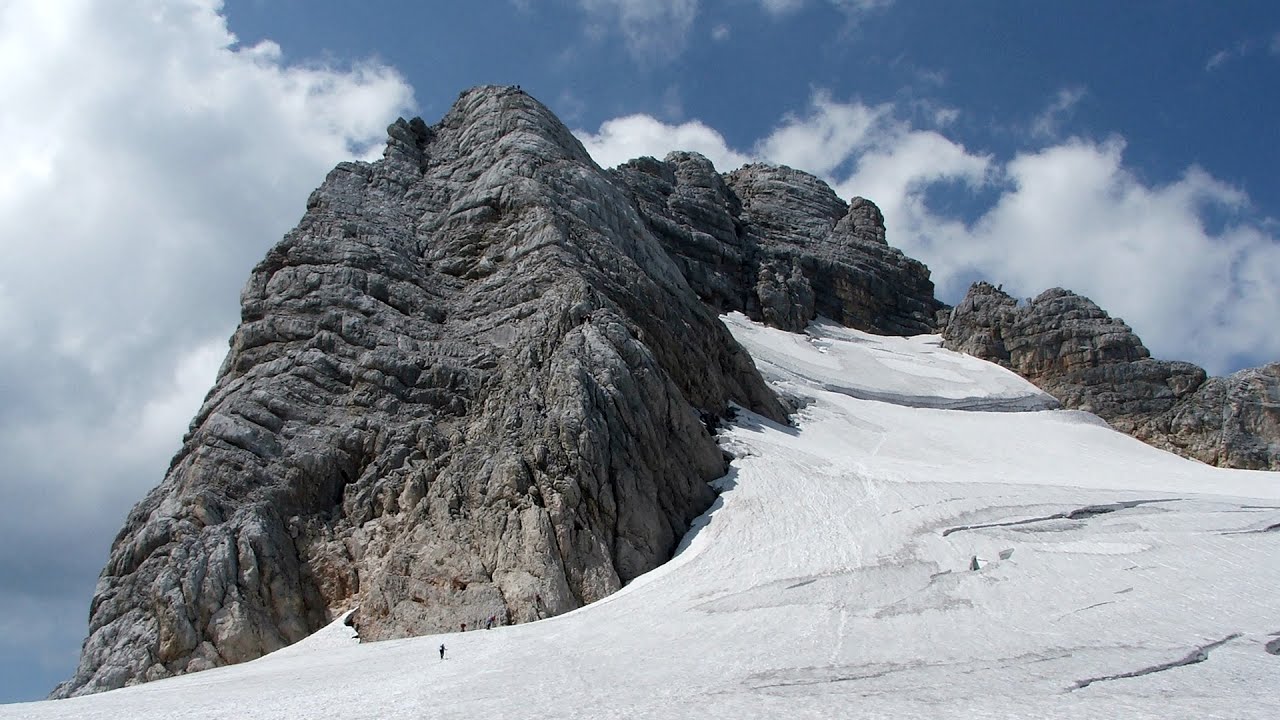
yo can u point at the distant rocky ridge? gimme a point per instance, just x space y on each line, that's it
1075 351
478 380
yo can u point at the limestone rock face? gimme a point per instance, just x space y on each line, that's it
1075 351
779 245
469 384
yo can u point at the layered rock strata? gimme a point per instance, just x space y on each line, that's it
1075 351
469 384
778 245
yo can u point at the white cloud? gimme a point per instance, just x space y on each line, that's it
653 30
158 426
1075 216
906 163
633 136
720 32
150 162
1186 263
826 137
1046 124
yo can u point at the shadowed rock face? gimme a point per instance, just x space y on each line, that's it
1075 351
468 384
778 245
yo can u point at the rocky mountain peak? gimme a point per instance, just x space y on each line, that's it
1074 350
490 123
779 245
864 222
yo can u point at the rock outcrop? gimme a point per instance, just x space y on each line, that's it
1075 351
778 245
469 384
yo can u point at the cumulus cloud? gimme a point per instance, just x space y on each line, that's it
150 161
1187 263
826 136
653 30
1154 254
633 136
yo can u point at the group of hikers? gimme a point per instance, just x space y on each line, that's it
488 625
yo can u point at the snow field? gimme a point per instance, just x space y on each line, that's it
832 578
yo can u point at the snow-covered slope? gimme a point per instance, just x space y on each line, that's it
833 578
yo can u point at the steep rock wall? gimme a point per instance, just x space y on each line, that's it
470 383
778 245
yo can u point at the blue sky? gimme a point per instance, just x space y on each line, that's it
156 149
1184 82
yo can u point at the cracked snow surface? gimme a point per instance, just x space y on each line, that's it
1198 655
1077 514
824 583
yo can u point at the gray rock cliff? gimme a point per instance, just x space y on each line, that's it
469 384
1075 351
778 245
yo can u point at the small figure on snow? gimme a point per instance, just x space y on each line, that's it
464 627
973 564
441 651
489 625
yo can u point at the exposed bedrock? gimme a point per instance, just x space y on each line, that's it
470 383
778 245
1075 351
